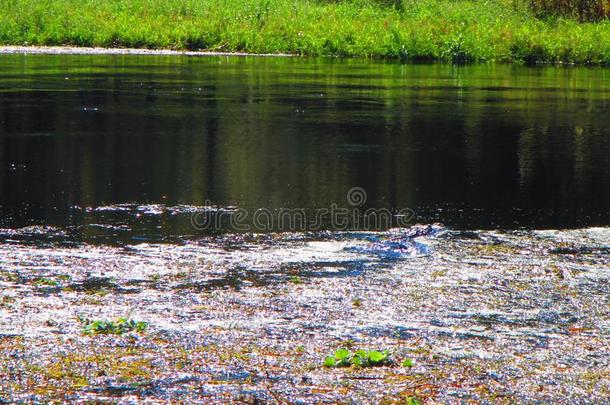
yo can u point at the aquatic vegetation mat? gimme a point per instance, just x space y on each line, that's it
482 316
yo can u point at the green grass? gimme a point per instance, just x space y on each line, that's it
448 30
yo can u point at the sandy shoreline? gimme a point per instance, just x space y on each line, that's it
74 50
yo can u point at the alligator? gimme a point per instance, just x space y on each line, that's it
397 244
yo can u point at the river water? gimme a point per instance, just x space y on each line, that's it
469 146
260 213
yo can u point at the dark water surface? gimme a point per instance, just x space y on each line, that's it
145 141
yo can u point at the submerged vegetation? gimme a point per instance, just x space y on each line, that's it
501 30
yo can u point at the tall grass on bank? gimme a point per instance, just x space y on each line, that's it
449 30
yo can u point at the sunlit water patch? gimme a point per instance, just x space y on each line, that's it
528 307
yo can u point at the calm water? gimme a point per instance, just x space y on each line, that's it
141 142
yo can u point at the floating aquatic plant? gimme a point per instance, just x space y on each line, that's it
44 281
359 358
118 327
296 280
407 363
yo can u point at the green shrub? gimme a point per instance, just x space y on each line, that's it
583 10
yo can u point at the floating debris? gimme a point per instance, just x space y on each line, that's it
473 316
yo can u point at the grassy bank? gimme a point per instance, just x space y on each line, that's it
466 30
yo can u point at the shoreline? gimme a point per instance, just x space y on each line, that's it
77 50
84 50
428 31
